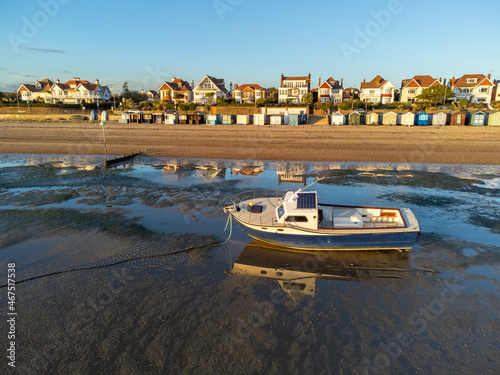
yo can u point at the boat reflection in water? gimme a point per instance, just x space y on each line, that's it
297 272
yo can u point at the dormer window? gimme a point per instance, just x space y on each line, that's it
471 80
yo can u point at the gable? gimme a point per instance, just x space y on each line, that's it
325 85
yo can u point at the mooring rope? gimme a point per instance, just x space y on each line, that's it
229 223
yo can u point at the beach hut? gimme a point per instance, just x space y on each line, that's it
439 118
243 119
214 119
494 119
228 119
389 118
260 119
183 119
356 118
338 118
171 118
422 119
406 119
158 117
147 118
124 118
135 116
457 118
477 118
372 119
196 118
296 120
286 118
275 119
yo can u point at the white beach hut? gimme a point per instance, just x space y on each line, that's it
338 119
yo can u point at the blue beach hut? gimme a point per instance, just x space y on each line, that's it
477 118
422 119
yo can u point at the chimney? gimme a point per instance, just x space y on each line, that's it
173 79
235 86
97 81
142 91
282 77
440 78
342 82
192 84
489 76
319 81
230 86
309 77
76 78
57 81
364 79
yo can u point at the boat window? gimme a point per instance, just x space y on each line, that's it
296 219
281 211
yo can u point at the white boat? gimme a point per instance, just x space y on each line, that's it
298 221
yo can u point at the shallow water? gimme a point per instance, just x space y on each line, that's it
434 310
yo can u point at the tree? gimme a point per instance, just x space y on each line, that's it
210 95
307 99
125 90
435 94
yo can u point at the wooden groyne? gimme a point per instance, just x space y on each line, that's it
115 160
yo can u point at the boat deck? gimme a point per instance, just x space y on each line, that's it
266 218
351 217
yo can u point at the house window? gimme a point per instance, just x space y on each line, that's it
484 89
411 91
471 80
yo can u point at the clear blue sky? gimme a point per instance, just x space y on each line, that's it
245 41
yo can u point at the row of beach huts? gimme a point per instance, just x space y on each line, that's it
477 118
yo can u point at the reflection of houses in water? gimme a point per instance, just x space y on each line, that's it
292 172
209 172
297 272
248 170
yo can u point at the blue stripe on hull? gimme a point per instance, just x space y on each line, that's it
401 240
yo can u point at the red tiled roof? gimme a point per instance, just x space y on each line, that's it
375 83
423 81
304 78
252 86
462 81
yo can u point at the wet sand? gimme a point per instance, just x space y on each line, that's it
432 144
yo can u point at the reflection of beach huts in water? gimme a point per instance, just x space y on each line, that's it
457 118
228 119
389 118
276 119
250 170
289 177
260 119
439 118
477 118
406 119
494 119
372 118
243 119
356 118
338 118
422 119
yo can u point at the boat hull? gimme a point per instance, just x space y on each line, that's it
384 240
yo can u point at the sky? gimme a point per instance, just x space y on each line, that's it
245 41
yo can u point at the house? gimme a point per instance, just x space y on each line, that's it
411 88
389 118
75 91
209 89
495 96
177 91
494 119
350 94
38 91
152 95
292 89
457 118
337 119
372 118
476 88
249 93
331 90
439 118
377 90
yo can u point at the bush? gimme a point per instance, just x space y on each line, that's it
464 102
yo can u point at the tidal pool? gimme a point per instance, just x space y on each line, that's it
105 283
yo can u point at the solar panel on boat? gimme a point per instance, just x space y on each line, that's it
306 200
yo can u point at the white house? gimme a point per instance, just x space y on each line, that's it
209 89
293 88
411 88
75 91
377 90
476 88
331 90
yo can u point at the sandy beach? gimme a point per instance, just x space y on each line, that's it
432 144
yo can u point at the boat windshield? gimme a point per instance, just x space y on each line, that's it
280 211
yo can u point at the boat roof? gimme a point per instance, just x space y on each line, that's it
300 201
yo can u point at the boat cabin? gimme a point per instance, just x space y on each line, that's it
300 208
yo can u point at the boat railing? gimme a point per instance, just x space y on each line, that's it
250 194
